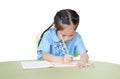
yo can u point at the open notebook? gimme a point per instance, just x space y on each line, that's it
43 64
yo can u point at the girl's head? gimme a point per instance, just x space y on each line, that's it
66 22
67 17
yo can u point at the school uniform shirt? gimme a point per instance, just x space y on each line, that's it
52 44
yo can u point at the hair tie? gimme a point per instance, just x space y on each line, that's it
62 17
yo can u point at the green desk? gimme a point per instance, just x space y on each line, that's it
102 70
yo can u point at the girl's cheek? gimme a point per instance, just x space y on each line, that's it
67 38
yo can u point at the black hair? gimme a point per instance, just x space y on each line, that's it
65 16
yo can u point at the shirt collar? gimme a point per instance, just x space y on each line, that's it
54 35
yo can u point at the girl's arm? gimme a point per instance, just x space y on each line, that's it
58 59
51 58
84 57
83 62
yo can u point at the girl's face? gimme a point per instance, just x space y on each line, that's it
67 32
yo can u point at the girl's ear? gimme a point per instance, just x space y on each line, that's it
54 26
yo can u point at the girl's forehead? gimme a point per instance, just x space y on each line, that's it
68 30
68 27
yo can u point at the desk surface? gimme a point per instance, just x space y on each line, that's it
102 70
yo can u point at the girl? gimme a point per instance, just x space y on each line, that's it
60 43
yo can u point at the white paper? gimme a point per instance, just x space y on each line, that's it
36 64
43 64
63 65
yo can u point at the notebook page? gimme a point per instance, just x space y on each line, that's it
62 65
35 64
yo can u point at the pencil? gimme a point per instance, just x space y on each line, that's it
64 44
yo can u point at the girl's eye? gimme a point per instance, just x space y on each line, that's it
67 36
63 35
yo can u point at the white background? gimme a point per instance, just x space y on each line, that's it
22 20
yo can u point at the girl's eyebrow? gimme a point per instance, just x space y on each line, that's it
67 35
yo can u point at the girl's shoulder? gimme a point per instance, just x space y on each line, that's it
51 34
77 35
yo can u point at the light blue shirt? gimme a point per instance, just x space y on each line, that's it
52 44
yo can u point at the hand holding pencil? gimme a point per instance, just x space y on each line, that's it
67 59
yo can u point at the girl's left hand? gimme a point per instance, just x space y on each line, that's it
81 64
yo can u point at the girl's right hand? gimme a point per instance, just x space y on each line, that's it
67 59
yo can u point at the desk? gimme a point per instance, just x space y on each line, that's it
102 70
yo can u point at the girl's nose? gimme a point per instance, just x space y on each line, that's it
66 38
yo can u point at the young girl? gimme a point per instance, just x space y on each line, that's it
61 42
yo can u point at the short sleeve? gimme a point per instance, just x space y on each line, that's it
79 44
44 45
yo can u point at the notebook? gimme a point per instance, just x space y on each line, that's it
43 64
